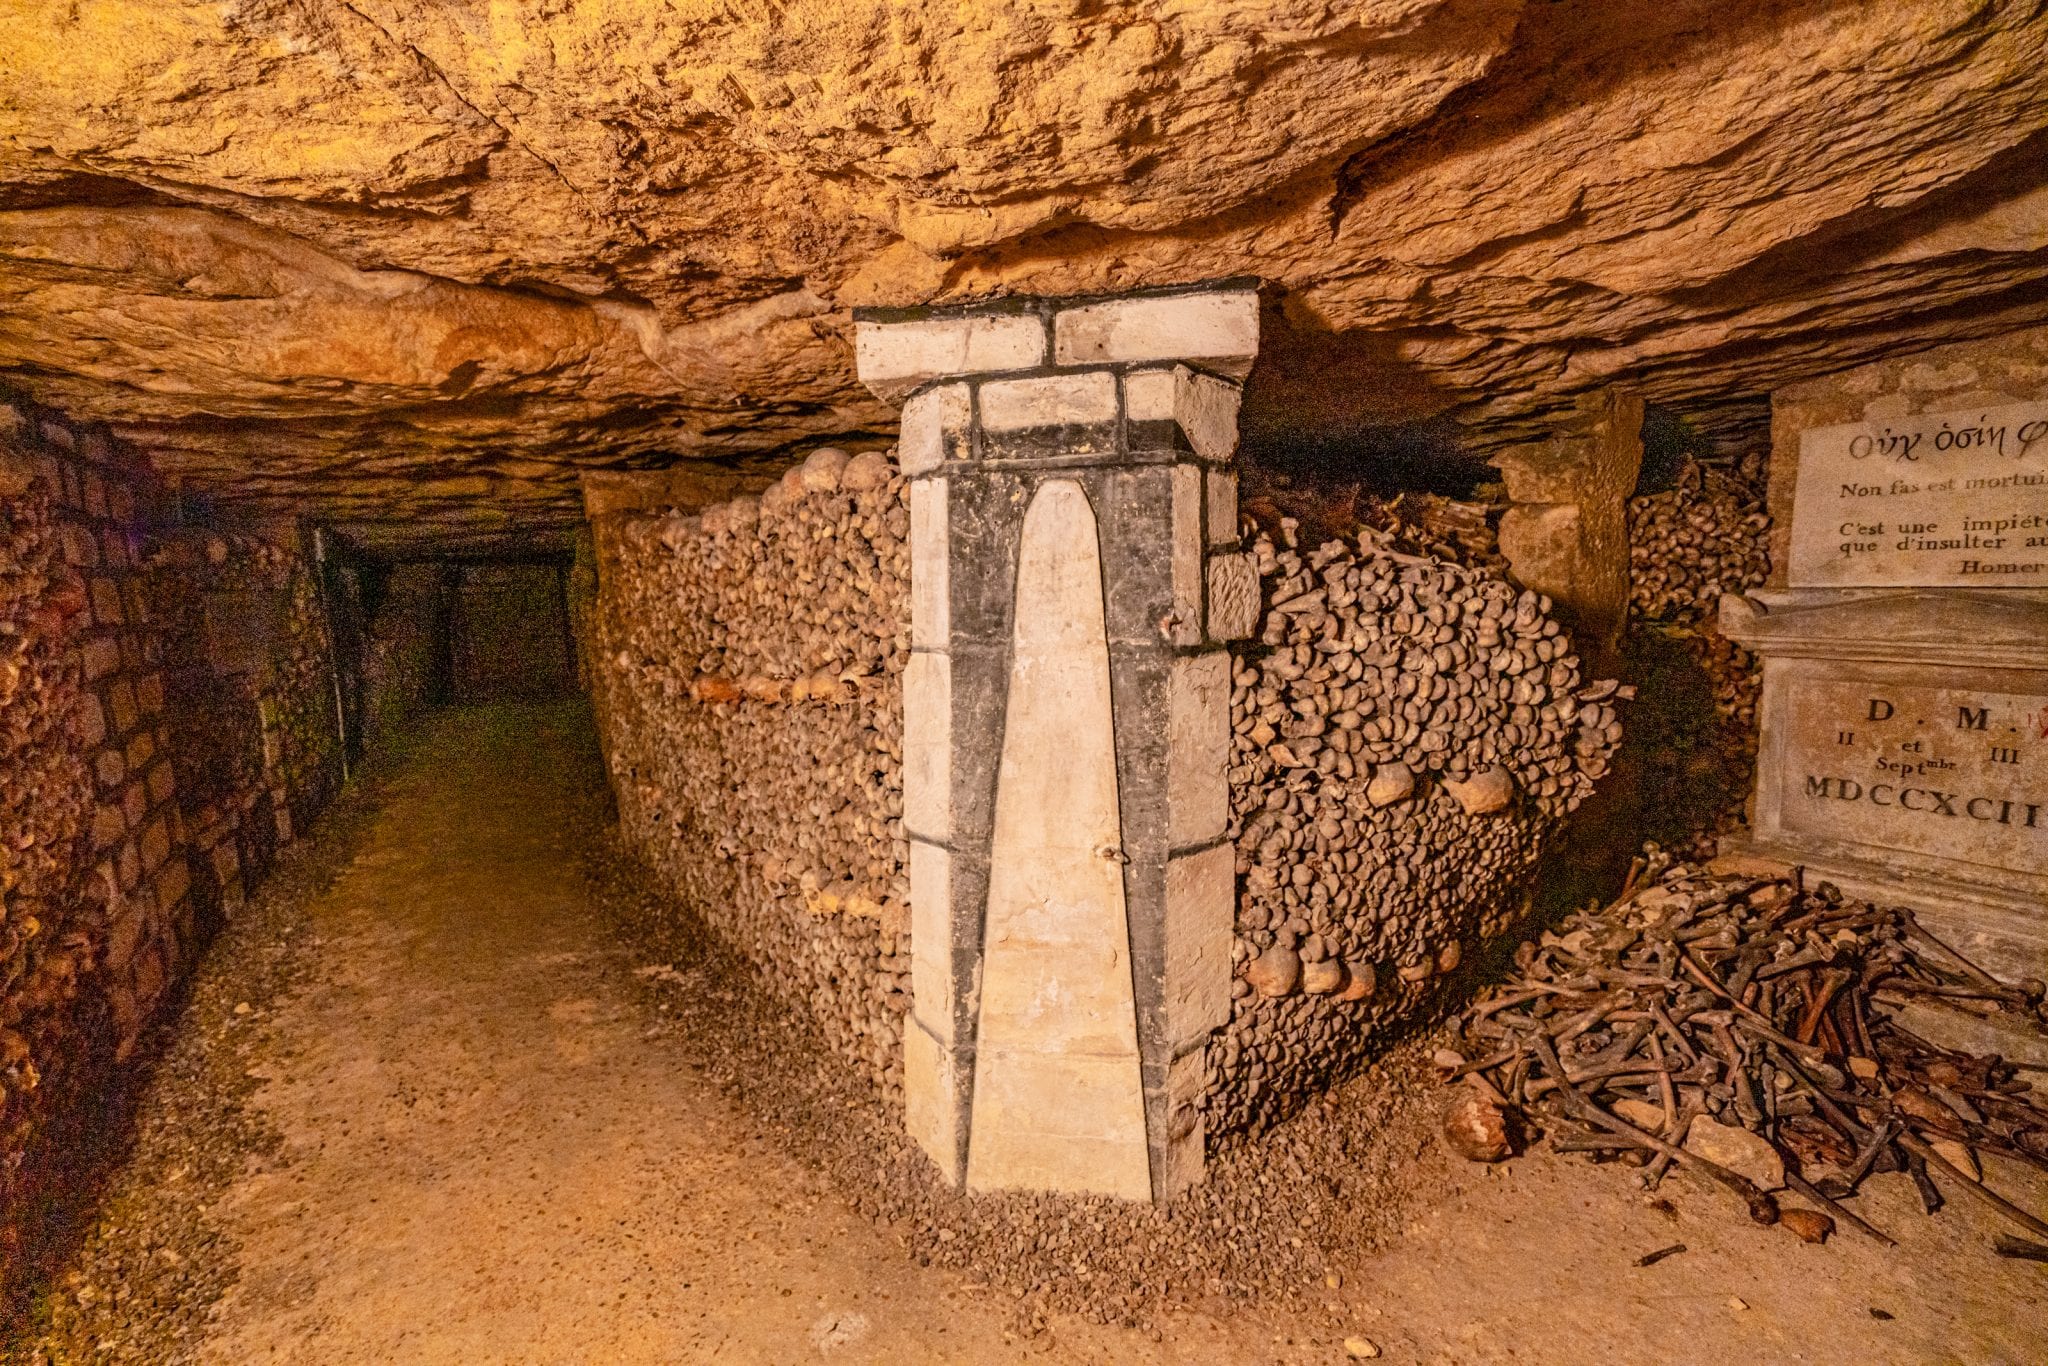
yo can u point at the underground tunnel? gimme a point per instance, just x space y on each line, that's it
1077 683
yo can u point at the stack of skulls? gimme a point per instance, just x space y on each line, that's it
1701 538
1408 735
1706 536
46 795
748 665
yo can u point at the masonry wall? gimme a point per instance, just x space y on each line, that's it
1409 736
249 671
106 884
399 655
510 629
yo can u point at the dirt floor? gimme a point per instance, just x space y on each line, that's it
458 1087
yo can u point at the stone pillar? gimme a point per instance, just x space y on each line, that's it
1566 534
1075 570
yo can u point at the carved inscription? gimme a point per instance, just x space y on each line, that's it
1946 772
1957 498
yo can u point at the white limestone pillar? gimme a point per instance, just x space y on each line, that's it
1075 572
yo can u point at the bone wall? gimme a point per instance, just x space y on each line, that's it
106 879
1410 735
747 680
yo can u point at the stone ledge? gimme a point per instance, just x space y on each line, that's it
897 358
1213 326
1217 329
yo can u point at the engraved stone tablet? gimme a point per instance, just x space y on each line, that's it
1952 498
1952 773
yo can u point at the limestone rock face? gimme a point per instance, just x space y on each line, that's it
424 260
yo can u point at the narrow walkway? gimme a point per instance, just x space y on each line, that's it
487 1154
421 1111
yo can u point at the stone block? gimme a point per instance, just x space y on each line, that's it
106 602
1198 749
110 768
606 492
928 746
1216 329
931 1099
1233 597
89 721
1187 1078
149 693
1222 507
156 844
1201 903
1087 399
1139 557
1181 409
81 549
937 427
1188 590
134 804
931 938
121 706
1975 488
124 936
101 656
108 825
930 564
173 882
1070 1122
894 358
161 783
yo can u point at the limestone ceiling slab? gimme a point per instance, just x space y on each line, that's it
423 261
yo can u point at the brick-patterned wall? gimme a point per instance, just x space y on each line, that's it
249 668
398 670
100 909
511 629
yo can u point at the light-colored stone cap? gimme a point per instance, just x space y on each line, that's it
1215 328
894 358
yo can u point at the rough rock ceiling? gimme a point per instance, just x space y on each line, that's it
418 260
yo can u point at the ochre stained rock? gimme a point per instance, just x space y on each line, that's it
331 251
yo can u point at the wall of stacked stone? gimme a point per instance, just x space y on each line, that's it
399 650
249 665
97 899
1409 736
510 625
747 680
99 905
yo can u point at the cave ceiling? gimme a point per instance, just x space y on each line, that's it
413 264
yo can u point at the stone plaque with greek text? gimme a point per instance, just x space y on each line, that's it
1952 773
1954 499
